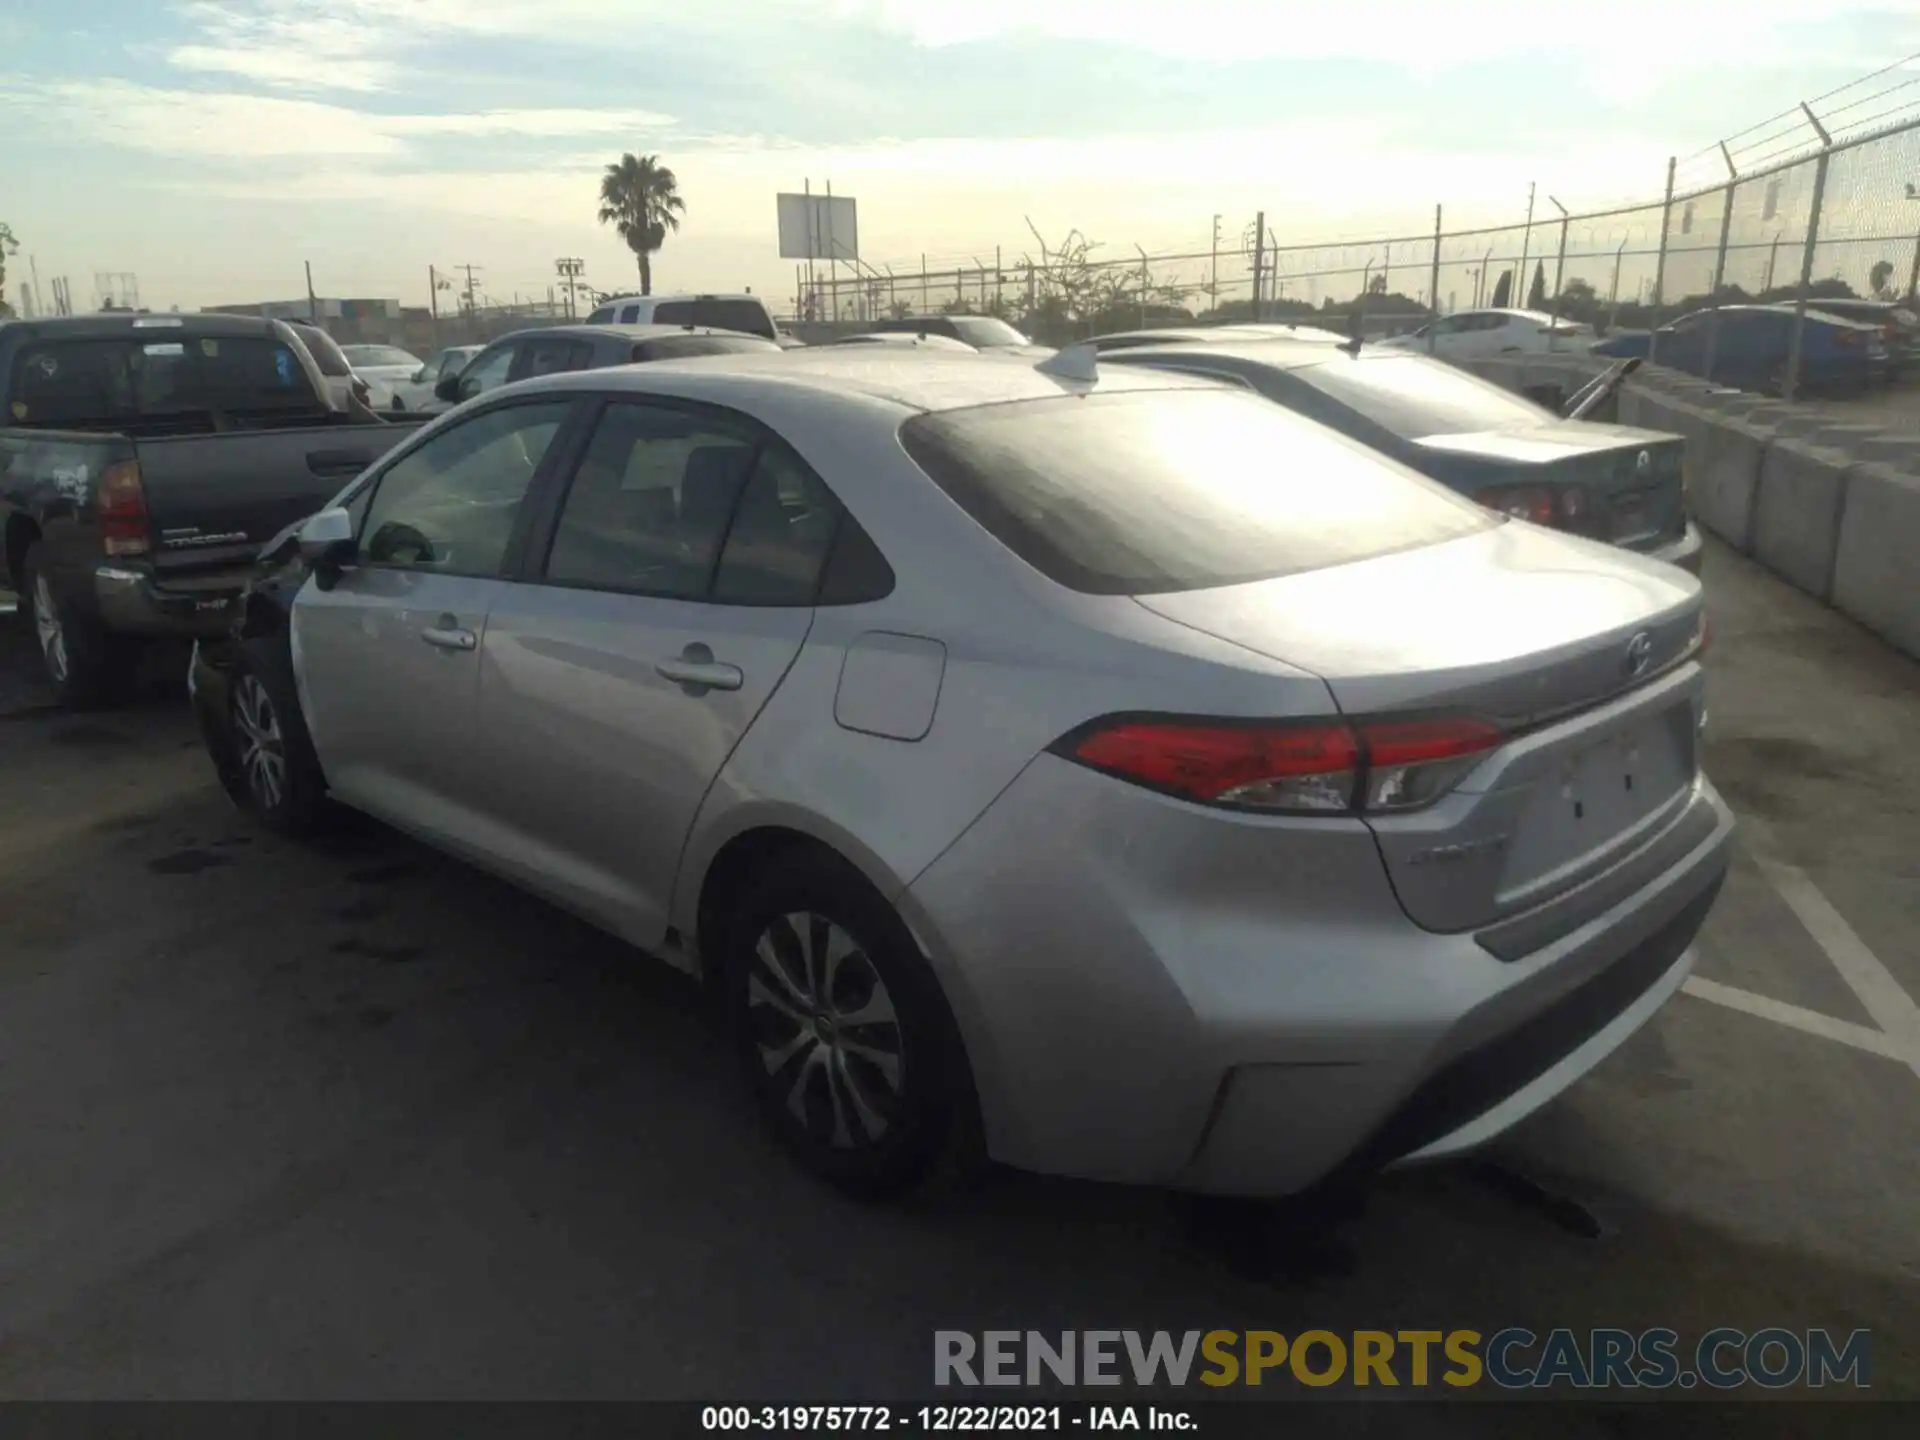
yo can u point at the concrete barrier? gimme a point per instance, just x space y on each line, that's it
1796 524
1874 575
1834 508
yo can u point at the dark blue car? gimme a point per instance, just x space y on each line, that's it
1836 356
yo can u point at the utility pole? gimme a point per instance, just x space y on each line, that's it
570 269
1259 240
1213 280
472 308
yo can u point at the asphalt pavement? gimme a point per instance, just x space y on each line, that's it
356 1121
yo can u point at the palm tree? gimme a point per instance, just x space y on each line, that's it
640 198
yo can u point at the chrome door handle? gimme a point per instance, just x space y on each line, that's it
450 638
707 674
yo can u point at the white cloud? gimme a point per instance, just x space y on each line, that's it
287 44
234 126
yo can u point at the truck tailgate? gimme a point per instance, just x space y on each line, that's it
213 499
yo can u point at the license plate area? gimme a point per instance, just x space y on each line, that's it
1633 516
1596 798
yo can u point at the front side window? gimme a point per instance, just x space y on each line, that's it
648 509
630 315
550 357
450 506
488 372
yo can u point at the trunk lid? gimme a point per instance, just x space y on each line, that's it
1633 478
212 500
1580 653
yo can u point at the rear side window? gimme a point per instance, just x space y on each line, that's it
152 375
747 316
630 315
684 347
1150 492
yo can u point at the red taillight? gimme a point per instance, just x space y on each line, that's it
120 507
1316 767
1562 507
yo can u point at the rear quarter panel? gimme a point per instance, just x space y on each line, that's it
47 480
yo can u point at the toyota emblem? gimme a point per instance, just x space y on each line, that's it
1643 462
1639 653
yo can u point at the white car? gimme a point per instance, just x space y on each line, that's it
416 391
746 313
1476 334
383 367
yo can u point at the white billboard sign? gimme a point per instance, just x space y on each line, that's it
818 227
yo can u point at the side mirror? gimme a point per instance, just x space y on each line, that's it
447 388
419 375
326 545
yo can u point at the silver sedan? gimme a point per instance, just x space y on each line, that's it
1116 774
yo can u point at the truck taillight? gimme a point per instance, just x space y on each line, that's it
120 506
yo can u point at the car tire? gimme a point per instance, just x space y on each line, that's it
84 665
272 772
842 1033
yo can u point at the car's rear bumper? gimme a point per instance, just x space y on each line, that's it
134 602
1144 1003
1684 552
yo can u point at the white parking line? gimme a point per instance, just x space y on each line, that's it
1794 1017
1880 995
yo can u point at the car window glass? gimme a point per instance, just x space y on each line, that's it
748 316
649 506
488 372
780 535
551 357
450 506
630 315
1153 491
683 347
1414 397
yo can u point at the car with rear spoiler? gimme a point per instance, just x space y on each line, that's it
143 460
1606 482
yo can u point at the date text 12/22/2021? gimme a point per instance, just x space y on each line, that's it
943 1419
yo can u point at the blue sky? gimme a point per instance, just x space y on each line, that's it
211 147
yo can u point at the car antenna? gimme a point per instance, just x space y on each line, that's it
1076 362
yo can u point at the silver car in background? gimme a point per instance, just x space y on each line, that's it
1117 773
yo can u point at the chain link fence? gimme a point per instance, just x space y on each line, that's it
1823 216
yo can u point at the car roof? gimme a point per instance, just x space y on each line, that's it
1813 308
584 331
904 339
663 299
933 380
110 326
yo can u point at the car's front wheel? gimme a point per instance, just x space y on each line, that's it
272 772
842 1031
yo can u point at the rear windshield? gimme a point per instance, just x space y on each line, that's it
1154 491
748 316
1415 397
683 347
80 382
986 333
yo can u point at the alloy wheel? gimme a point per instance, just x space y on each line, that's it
263 754
826 1030
46 626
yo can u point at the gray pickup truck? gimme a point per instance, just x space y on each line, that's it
143 460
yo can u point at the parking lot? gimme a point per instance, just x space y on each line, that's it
357 1121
